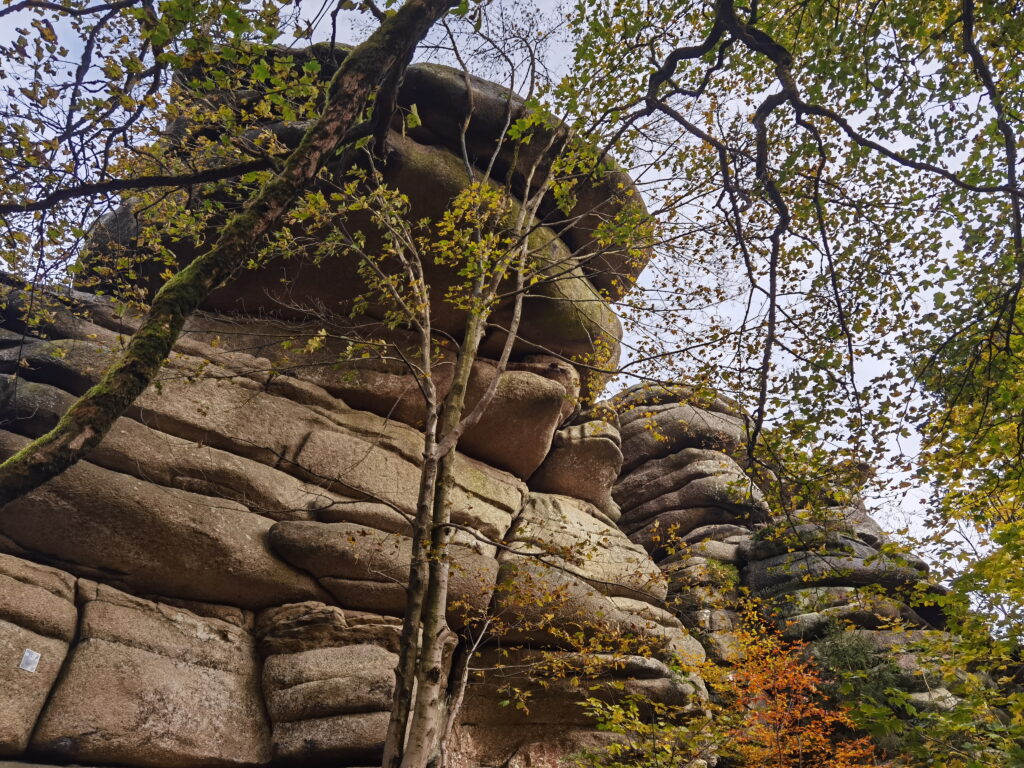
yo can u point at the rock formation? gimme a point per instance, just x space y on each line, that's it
685 499
222 581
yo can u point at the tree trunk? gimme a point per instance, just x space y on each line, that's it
409 643
92 415
455 691
427 726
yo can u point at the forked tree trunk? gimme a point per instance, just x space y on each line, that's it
409 642
422 733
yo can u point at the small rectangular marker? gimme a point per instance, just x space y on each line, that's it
29 660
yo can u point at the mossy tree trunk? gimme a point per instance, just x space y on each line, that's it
381 56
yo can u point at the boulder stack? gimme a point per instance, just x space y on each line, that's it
222 581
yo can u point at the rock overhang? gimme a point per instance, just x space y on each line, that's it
567 311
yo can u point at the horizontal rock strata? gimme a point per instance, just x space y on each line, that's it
222 581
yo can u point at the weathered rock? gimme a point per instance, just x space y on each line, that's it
688 601
152 539
10 338
114 228
234 414
732 534
816 611
373 514
535 394
443 101
669 528
516 429
814 599
239 617
324 682
556 685
151 685
350 452
451 118
37 621
915 674
735 493
856 520
881 614
852 520
382 596
722 647
785 537
70 364
345 740
524 746
566 316
133 448
560 530
938 700
865 607
657 477
38 598
557 370
686 570
525 408
113 323
584 462
888 640
660 430
656 622
632 401
797 570
550 750
554 703
531 662
546 606
721 551
716 620
368 570
585 328
306 626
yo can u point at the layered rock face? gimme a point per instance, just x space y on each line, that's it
222 581
819 573
566 313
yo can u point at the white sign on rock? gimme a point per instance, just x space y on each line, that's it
29 660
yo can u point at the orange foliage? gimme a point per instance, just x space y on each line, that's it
782 719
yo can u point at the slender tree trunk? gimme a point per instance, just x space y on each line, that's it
409 644
435 710
91 416
427 719
455 690
427 726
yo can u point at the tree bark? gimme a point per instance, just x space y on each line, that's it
427 726
390 47
409 642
